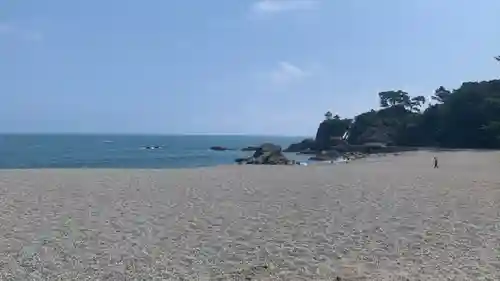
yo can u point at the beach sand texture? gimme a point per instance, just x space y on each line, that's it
381 218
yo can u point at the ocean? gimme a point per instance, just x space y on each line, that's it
125 151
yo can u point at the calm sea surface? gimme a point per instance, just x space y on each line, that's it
120 151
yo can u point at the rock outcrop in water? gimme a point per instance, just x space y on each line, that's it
328 135
151 147
266 154
220 148
303 146
331 142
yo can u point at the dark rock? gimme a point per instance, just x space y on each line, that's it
343 147
267 148
276 159
219 148
266 154
330 133
306 144
150 147
270 154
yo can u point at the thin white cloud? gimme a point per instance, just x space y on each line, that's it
278 6
286 74
20 33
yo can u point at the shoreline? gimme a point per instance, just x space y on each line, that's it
229 161
303 159
395 216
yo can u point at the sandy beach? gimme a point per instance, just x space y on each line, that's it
381 218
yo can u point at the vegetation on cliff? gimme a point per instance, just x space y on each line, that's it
467 117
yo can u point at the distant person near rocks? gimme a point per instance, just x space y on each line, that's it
436 164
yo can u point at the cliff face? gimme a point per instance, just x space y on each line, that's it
391 126
330 133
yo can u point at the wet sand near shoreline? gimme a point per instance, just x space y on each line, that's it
379 218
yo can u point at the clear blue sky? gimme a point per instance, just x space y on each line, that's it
229 66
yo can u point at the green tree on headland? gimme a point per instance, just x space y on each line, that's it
417 102
468 117
394 98
441 94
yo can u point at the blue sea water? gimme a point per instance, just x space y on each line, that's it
121 151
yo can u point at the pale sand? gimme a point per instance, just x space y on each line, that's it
382 218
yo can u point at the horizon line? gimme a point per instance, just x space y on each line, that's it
149 134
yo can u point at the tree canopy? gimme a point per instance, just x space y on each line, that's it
467 117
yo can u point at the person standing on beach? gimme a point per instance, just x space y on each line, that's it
435 160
